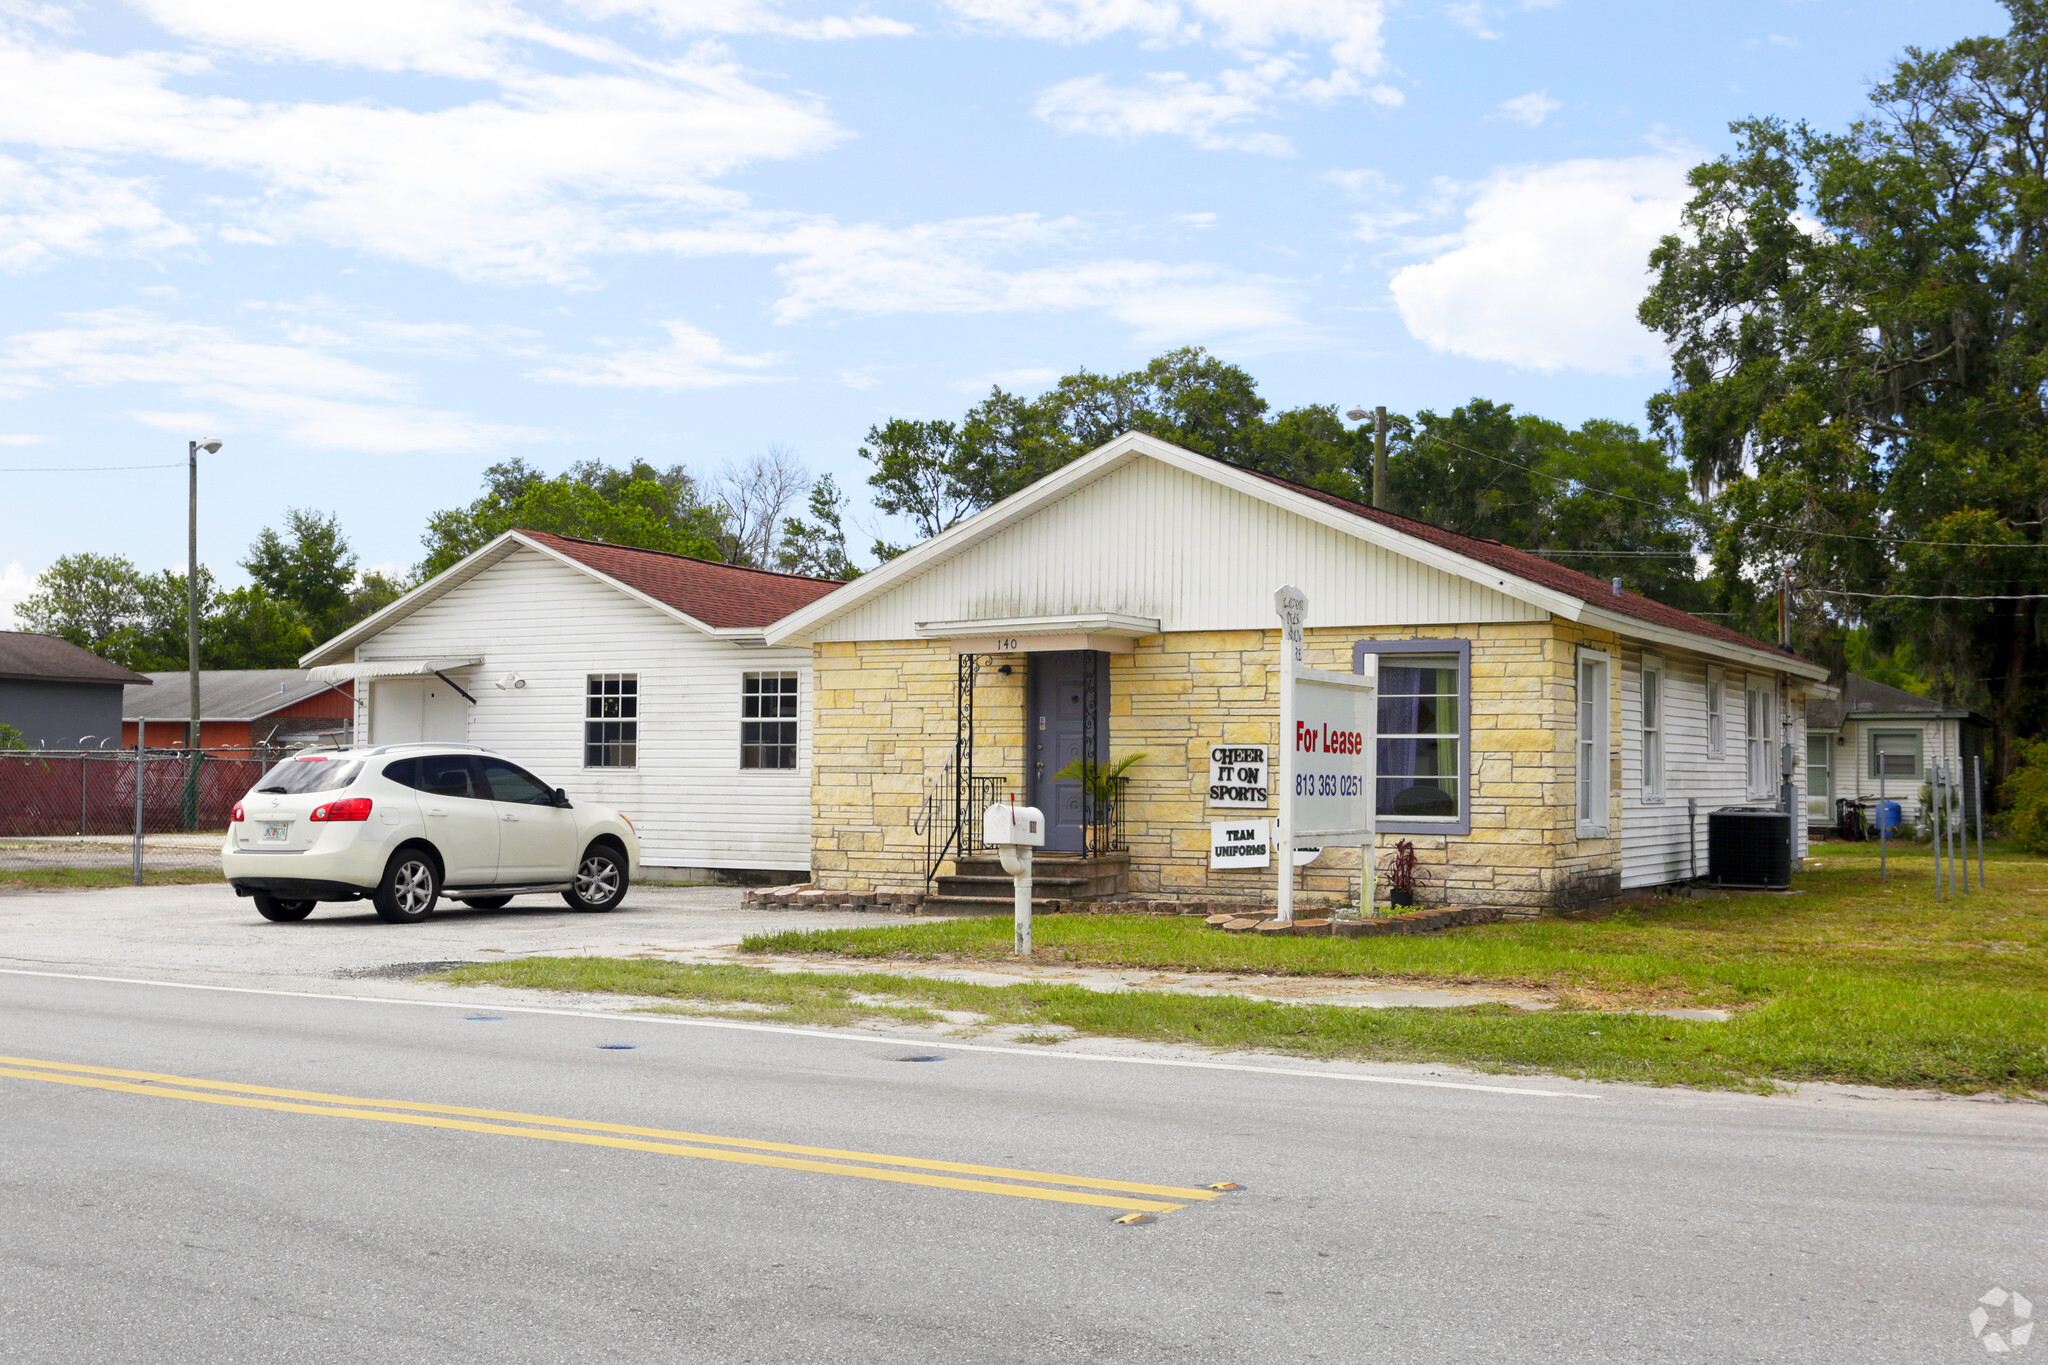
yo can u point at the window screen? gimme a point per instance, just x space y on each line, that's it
1419 767
611 721
1895 753
1653 731
768 720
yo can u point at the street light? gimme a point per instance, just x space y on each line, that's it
211 445
1379 450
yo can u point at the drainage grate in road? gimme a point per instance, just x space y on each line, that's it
398 971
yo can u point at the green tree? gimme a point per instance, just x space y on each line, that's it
310 566
85 598
639 506
105 604
817 547
1857 333
250 628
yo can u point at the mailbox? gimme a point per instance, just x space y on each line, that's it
1013 826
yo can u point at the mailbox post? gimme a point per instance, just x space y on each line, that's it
1015 831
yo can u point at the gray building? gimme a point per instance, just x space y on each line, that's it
58 695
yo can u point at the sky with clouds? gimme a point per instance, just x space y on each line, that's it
376 246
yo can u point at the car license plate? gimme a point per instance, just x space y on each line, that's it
277 833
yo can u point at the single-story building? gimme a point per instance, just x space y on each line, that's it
1543 735
634 678
58 695
241 710
1875 738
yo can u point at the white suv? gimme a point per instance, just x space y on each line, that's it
405 823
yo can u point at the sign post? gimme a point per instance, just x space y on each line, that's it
1327 727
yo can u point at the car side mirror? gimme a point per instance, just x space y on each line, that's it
562 798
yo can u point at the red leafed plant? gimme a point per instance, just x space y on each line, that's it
1402 872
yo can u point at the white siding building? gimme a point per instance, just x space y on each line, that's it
637 679
1876 741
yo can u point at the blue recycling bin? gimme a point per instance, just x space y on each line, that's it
1889 816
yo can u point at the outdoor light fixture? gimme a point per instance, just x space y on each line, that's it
209 444
1357 414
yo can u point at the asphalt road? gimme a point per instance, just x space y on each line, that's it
193 1213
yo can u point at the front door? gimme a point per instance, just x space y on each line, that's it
1056 728
415 710
1820 784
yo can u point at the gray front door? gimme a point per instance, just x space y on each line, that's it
1056 726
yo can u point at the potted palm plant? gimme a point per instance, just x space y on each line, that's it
1104 784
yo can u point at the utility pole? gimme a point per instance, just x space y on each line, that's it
192 593
1784 612
1379 457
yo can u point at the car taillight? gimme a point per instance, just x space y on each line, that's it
352 808
237 816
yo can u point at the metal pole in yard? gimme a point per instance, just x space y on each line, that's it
140 771
1955 813
1884 872
1934 821
1977 784
83 759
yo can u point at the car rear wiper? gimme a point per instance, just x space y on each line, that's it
283 791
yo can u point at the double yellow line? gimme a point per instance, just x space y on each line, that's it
1109 1194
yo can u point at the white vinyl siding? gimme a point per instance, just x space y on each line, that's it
1654 846
555 627
1150 540
1594 770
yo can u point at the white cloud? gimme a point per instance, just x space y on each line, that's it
19 438
1265 34
1166 103
693 359
74 211
1530 109
1550 267
16 583
310 396
524 183
1476 19
744 16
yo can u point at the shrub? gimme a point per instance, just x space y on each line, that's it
2025 798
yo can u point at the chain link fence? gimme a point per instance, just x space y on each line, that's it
155 810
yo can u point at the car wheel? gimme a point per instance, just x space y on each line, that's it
600 880
407 892
487 902
281 911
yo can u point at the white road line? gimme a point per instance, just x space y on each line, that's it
734 1026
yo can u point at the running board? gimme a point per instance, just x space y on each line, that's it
505 890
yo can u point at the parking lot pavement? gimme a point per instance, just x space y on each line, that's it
208 934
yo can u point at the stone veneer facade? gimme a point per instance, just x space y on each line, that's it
883 726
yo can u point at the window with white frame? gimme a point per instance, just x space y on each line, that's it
1757 712
1420 769
1717 724
1650 720
611 720
1592 744
768 720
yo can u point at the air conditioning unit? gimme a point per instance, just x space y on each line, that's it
1750 846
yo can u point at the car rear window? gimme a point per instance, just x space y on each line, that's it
309 773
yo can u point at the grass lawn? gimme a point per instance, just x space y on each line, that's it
1848 981
80 878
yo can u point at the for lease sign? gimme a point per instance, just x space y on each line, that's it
1331 730
1237 776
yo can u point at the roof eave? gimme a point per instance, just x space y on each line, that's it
1637 628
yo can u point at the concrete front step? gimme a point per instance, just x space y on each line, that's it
1077 877
1042 888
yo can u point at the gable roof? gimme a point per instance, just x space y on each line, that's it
1517 573
718 599
722 596
224 694
28 657
1863 697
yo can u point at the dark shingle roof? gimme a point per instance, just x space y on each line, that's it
1536 569
224 694
1863 696
722 596
46 658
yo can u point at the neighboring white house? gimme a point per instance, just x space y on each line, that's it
634 678
1875 737
1541 731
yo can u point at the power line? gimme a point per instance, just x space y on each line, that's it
89 469
1766 525
1935 596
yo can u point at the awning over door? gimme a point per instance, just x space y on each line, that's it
388 668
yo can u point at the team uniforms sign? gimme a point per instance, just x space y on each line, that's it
1241 843
1237 776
